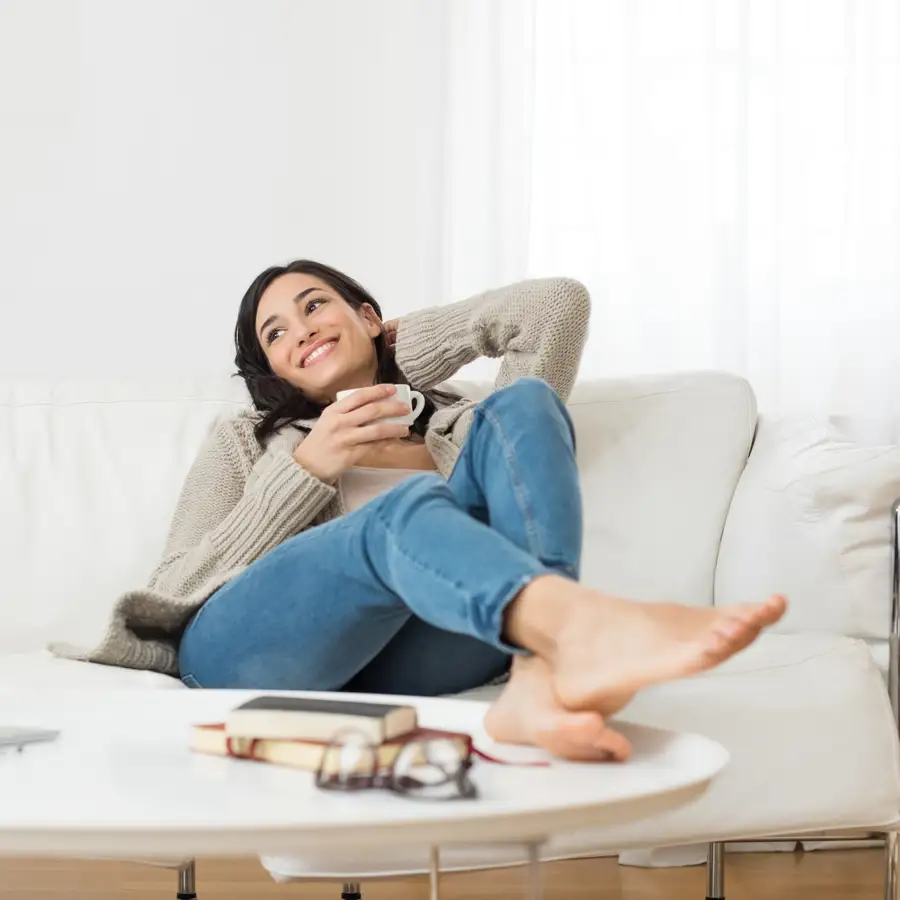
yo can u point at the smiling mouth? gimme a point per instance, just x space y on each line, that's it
318 354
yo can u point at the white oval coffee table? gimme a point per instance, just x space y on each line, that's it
120 782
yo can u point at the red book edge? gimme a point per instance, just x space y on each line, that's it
417 734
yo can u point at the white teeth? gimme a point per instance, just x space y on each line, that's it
319 351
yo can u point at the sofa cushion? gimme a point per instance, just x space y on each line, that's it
660 458
811 518
89 477
40 670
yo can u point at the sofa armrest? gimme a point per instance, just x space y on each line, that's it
894 665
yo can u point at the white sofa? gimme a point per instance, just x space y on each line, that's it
677 507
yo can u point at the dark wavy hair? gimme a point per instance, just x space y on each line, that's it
281 403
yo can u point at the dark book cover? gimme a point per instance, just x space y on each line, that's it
315 705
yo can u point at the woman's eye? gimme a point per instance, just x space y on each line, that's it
313 304
273 334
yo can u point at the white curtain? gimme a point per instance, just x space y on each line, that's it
724 175
488 114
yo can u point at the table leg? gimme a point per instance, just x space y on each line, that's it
892 866
434 874
715 871
533 890
187 881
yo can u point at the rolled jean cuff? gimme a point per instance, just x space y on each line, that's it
495 626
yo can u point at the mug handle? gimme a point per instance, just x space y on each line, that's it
418 404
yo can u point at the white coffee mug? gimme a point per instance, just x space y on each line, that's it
404 395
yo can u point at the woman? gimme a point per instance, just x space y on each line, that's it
317 547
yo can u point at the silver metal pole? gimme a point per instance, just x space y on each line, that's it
891 860
715 872
892 840
187 881
894 663
434 873
534 888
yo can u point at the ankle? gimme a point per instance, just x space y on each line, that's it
535 617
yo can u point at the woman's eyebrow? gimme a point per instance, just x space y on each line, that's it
297 299
302 294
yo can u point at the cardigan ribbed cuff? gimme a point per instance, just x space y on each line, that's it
447 327
282 502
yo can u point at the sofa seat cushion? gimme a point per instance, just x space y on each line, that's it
808 724
39 670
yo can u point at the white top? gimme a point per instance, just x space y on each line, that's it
360 484
121 782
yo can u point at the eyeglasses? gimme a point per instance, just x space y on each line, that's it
429 765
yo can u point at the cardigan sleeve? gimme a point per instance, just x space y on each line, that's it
539 327
220 523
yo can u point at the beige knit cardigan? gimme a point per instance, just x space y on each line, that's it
241 499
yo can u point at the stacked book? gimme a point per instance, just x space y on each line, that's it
302 732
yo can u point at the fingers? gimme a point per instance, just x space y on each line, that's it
382 409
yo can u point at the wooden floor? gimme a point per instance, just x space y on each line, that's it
844 874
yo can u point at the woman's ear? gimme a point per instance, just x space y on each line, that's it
372 322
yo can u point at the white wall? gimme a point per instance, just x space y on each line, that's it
155 155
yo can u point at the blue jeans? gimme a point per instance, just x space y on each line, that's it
406 595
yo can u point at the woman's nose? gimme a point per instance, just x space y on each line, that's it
303 333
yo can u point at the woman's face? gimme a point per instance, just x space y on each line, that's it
314 339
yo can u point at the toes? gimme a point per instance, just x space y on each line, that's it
760 614
742 616
584 737
616 745
740 625
727 637
726 632
774 608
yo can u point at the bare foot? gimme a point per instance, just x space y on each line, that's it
604 649
528 712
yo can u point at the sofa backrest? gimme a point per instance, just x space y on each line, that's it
660 458
90 474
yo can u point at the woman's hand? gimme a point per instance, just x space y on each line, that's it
347 429
390 331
